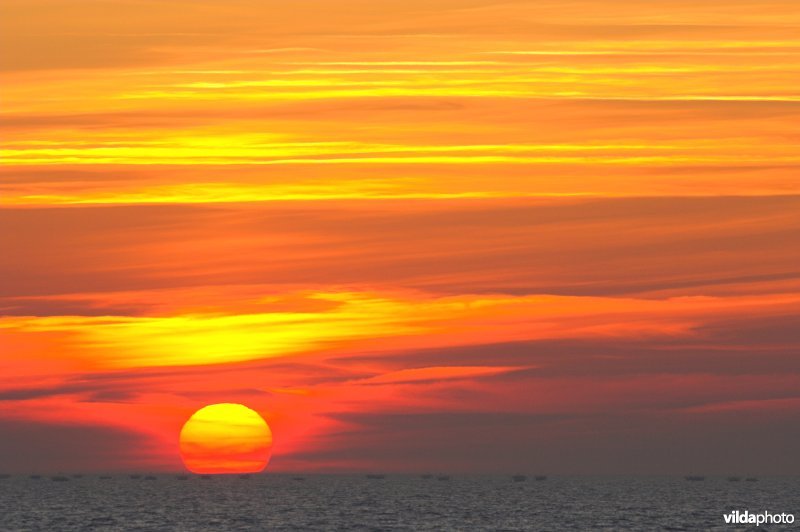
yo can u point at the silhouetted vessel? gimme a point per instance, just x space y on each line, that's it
519 478
734 479
540 477
374 476
59 478
694 478
751 479
443 477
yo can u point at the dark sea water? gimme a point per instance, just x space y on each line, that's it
330 502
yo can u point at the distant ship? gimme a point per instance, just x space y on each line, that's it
734 479
694 478
376 476
540 477
519 478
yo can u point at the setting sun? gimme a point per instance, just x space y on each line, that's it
225 438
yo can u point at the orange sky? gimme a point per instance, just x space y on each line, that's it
462 235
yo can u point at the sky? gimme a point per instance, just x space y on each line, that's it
468 236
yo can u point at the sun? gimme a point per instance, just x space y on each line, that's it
225 438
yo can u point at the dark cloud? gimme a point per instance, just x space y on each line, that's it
245 379
30 446
53 307
594 247
753 346
774 333
607 443
85 390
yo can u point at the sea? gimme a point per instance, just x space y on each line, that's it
388 502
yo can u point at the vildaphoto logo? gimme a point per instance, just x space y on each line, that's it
761 518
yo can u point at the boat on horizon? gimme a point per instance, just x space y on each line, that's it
734 479
376 476
540 477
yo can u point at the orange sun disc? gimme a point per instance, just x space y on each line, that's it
225 438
